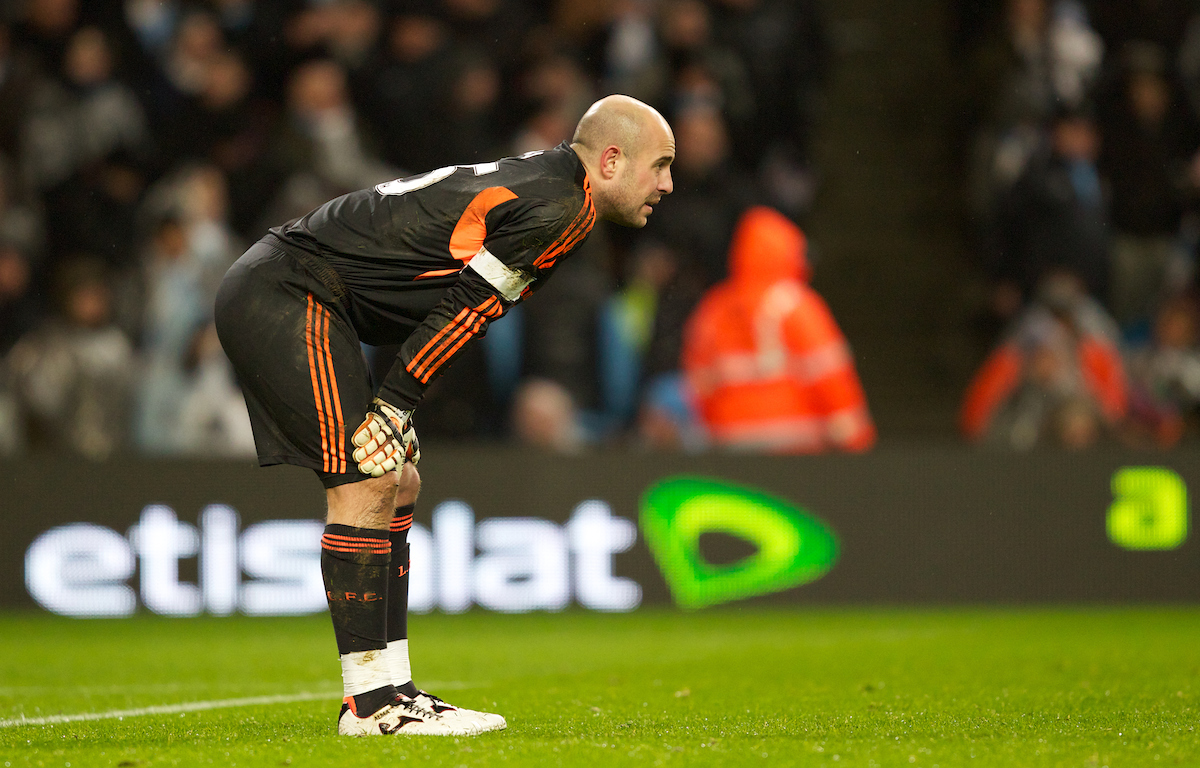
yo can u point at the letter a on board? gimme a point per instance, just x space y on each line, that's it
794 547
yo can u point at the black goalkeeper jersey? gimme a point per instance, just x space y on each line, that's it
430 260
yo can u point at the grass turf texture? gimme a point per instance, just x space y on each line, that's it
1036 687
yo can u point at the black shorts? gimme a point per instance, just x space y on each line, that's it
299 362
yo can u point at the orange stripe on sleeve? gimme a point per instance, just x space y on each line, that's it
448 328
438 273
571 237
460 326
574 241
490 308
556 246
442 358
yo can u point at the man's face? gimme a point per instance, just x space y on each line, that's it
644 177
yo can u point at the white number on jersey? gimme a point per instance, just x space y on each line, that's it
404 186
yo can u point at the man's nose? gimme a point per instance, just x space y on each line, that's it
665 185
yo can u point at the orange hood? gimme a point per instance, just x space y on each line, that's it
768 247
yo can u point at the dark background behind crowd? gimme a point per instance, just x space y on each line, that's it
1034 280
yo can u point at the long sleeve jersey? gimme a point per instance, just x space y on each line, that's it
430 260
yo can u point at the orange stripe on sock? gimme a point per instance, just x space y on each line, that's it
352 551
354 539
375 549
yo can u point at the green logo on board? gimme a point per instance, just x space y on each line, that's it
1149 509
794 547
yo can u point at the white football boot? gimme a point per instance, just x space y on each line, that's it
404 717
483 721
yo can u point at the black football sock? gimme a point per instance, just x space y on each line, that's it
397 611
354 565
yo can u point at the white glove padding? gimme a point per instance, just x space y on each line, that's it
386 439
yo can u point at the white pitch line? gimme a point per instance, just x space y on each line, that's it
191 706
168 709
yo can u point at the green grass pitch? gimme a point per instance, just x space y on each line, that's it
1086 687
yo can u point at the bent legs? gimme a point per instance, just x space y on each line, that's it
364 562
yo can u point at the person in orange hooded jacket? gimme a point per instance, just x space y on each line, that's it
763 357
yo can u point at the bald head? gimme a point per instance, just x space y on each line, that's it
615 120
627 148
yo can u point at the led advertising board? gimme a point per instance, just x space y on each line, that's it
521 531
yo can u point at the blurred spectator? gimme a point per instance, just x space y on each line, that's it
345 30
1055 216
667 419
1044 59
474 112
555 85
562 333
1161 23
322 149
20 311
627 326
1056 379
189 251
227 125
198 41
544 416
72 377
491 27
44 29
786 52
1148 141
174 313
212 414
154 24
197 196
405 98
697 224
631 47
545 128
21 220
86 147
1165 376
19 76
764 358
84 118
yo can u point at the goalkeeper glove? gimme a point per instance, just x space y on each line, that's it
386 439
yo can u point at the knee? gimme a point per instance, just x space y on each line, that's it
408 486
365 504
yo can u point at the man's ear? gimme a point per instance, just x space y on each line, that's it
610 160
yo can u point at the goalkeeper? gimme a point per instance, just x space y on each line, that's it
427 262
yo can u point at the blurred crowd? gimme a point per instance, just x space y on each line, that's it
1081 125
145 143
